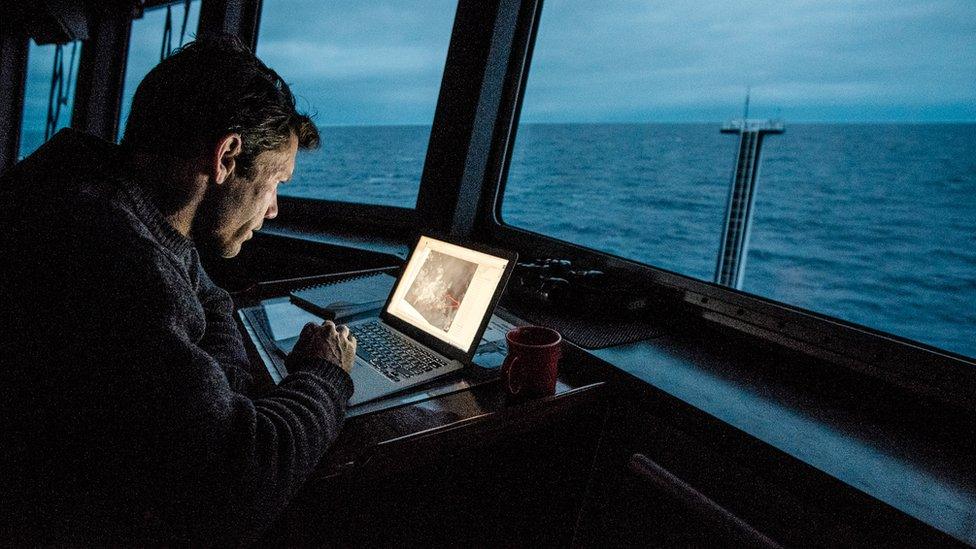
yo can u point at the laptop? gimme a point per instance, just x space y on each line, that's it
433 320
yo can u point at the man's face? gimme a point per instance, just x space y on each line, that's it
239 206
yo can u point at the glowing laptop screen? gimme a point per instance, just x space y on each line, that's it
446 290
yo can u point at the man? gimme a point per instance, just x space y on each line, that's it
126 409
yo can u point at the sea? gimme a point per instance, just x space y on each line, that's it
874 224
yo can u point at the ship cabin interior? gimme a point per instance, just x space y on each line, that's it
686 412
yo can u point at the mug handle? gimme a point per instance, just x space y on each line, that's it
509 376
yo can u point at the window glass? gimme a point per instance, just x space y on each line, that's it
150 39
864 208
41 67
371 73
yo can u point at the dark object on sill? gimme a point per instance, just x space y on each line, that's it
582 304
587 331
555 284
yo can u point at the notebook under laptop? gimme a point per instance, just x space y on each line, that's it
433 319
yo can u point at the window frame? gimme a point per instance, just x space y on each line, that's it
915 366
396 221
338 216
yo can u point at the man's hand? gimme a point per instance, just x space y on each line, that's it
326 341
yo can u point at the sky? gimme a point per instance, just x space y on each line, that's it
375 63
646 61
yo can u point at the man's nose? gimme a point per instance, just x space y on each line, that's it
272 208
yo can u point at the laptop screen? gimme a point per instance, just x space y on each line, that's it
446 290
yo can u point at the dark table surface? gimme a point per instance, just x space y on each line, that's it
473 408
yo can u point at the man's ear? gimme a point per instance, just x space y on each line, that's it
225 155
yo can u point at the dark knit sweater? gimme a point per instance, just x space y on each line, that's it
125 413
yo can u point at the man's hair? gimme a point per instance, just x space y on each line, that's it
209 88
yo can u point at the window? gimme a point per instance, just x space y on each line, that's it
149 40
371 73
865 207
44 62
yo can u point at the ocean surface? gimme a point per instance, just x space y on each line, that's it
874 224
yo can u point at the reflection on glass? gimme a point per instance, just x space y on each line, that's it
865 207
370 72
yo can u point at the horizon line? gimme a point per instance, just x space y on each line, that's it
638 122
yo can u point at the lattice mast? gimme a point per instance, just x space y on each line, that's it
731 264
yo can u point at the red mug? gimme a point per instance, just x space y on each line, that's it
532 363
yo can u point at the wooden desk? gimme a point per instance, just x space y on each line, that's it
520 465
382 442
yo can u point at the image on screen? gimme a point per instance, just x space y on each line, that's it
446 290
439 288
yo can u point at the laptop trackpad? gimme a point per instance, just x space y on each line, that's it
368 383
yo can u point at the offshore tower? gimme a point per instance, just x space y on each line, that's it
738 213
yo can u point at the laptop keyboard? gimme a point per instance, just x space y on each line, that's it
391 354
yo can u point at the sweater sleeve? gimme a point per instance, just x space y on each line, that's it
217 465
222 339
231 464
